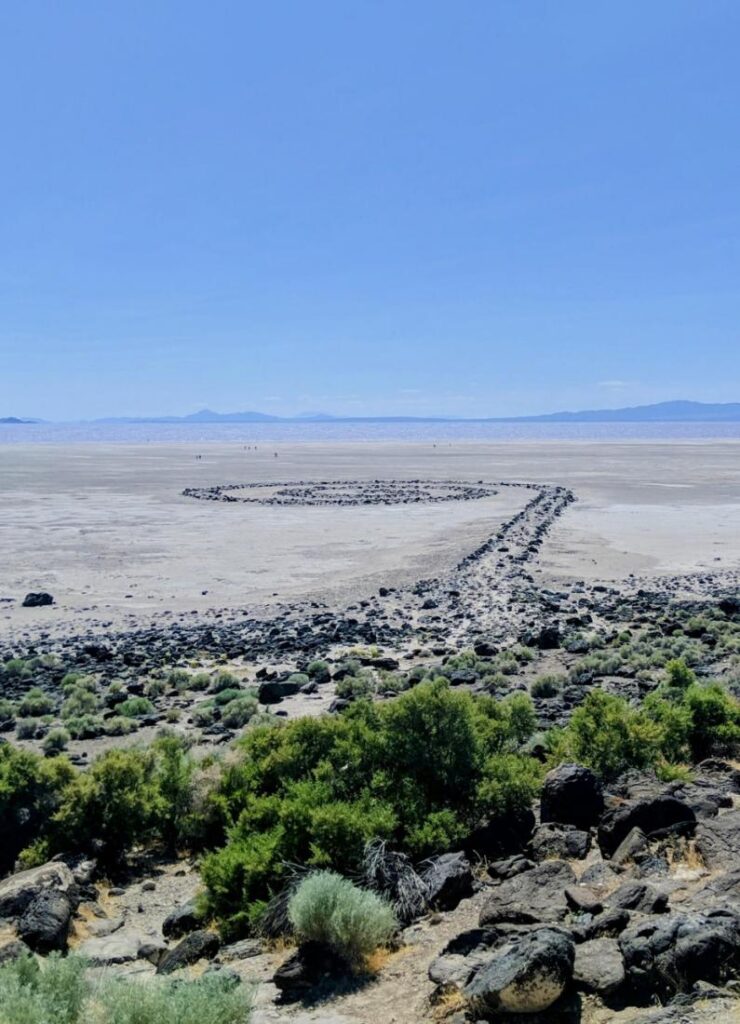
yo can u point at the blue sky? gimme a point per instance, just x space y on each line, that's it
368 207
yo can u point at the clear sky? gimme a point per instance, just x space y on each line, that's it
487 207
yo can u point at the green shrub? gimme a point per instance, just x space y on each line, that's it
55 742
86 727
224 697
31 790
224 681
135 707
28 729
35 704
609 736
715 721
58 992
80 701
547 686
238 712
118 725
330 909
204 715
17 668
422 771
116 800
199 681
7 712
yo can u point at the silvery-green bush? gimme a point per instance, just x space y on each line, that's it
329 908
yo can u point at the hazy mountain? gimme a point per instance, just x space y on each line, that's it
662 412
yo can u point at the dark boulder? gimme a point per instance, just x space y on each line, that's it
528 976
599 966
304 970
37 600
498 870
272 691
530 898
502 836
572 795
44 924
640 896
564 842
660 814
197 946
669 954
718 839
448 879
18 891
181 921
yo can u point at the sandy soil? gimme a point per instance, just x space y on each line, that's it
106 530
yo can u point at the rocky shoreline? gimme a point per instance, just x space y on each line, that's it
609 900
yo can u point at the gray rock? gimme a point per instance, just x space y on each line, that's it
634 842
532 897
669 954
449 879
650 815
121 947
181 921
303 970
565 842
599 966
13 950
609 924
44 924
527 976
571 795
508 868
718 839
17 891
197 946
243 950
583 900
639 896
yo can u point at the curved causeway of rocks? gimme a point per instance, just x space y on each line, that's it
345 493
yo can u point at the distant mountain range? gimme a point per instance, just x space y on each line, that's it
662 412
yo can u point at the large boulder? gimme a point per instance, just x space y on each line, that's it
564 842
669 954
272 691
532 897
572 795
181 920
639 896
123 946
448 879
39 599
44 924
527 976
310 964
202 945
599 966
18 891
660 814
718 840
